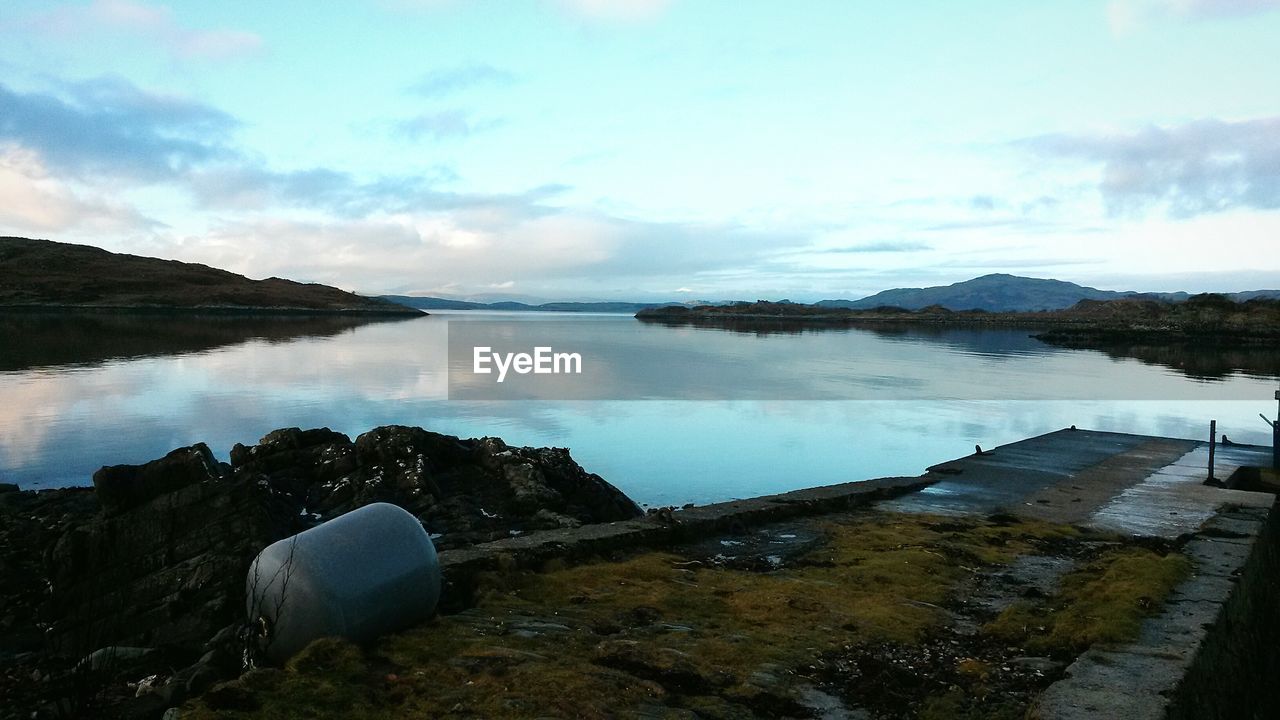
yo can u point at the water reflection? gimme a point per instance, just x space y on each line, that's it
1197 361
624 360
65 412
54 339
1201 362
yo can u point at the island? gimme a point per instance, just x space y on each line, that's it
1206 319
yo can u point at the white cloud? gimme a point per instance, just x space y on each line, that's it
32 201
1203 166
1125 16
615 9
384 252
601 10
152 22
442 125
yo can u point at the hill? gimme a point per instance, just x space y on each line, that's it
47 274
1000 292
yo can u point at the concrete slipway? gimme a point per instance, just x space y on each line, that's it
1209 653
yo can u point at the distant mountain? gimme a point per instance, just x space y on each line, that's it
1000 292
46 274
435 303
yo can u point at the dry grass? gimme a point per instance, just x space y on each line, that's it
1103 602
657 628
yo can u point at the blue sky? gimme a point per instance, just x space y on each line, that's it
653 148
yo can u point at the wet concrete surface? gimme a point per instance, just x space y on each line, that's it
1011 476
1128 484
1174 499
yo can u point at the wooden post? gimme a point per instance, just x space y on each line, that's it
1213 441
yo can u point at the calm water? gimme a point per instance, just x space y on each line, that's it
777 408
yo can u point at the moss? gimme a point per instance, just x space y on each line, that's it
956 704
329 656
1103 602
657 628
973 669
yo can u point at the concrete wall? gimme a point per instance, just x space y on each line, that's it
1236 674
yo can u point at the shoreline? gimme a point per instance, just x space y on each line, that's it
528 592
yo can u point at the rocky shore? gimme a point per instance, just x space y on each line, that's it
142 576
866 599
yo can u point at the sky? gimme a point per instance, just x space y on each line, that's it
653 149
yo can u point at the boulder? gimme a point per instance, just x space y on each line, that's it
464 491
123 487
161 568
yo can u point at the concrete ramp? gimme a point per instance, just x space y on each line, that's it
1174 500
1129 484
1195 657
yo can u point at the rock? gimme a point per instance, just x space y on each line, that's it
464 491
168 570
229 696
202 677
108 658
545 520
225 639
1042 665
122 487
8 488
155 555
668 667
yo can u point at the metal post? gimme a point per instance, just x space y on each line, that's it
1275 436
1213 441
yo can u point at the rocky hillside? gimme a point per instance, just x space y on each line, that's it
46 274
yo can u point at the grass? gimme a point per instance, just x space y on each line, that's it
669 630
1103 602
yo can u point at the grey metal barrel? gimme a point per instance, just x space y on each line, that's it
371 571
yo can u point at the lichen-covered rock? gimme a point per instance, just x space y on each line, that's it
464 491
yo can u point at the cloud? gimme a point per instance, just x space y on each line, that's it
1020 223
446 81
156 24
109 126
35 202
598 10
1127 15
888 246
614 10
1199 167
443 125
247 187
982 202
469 250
